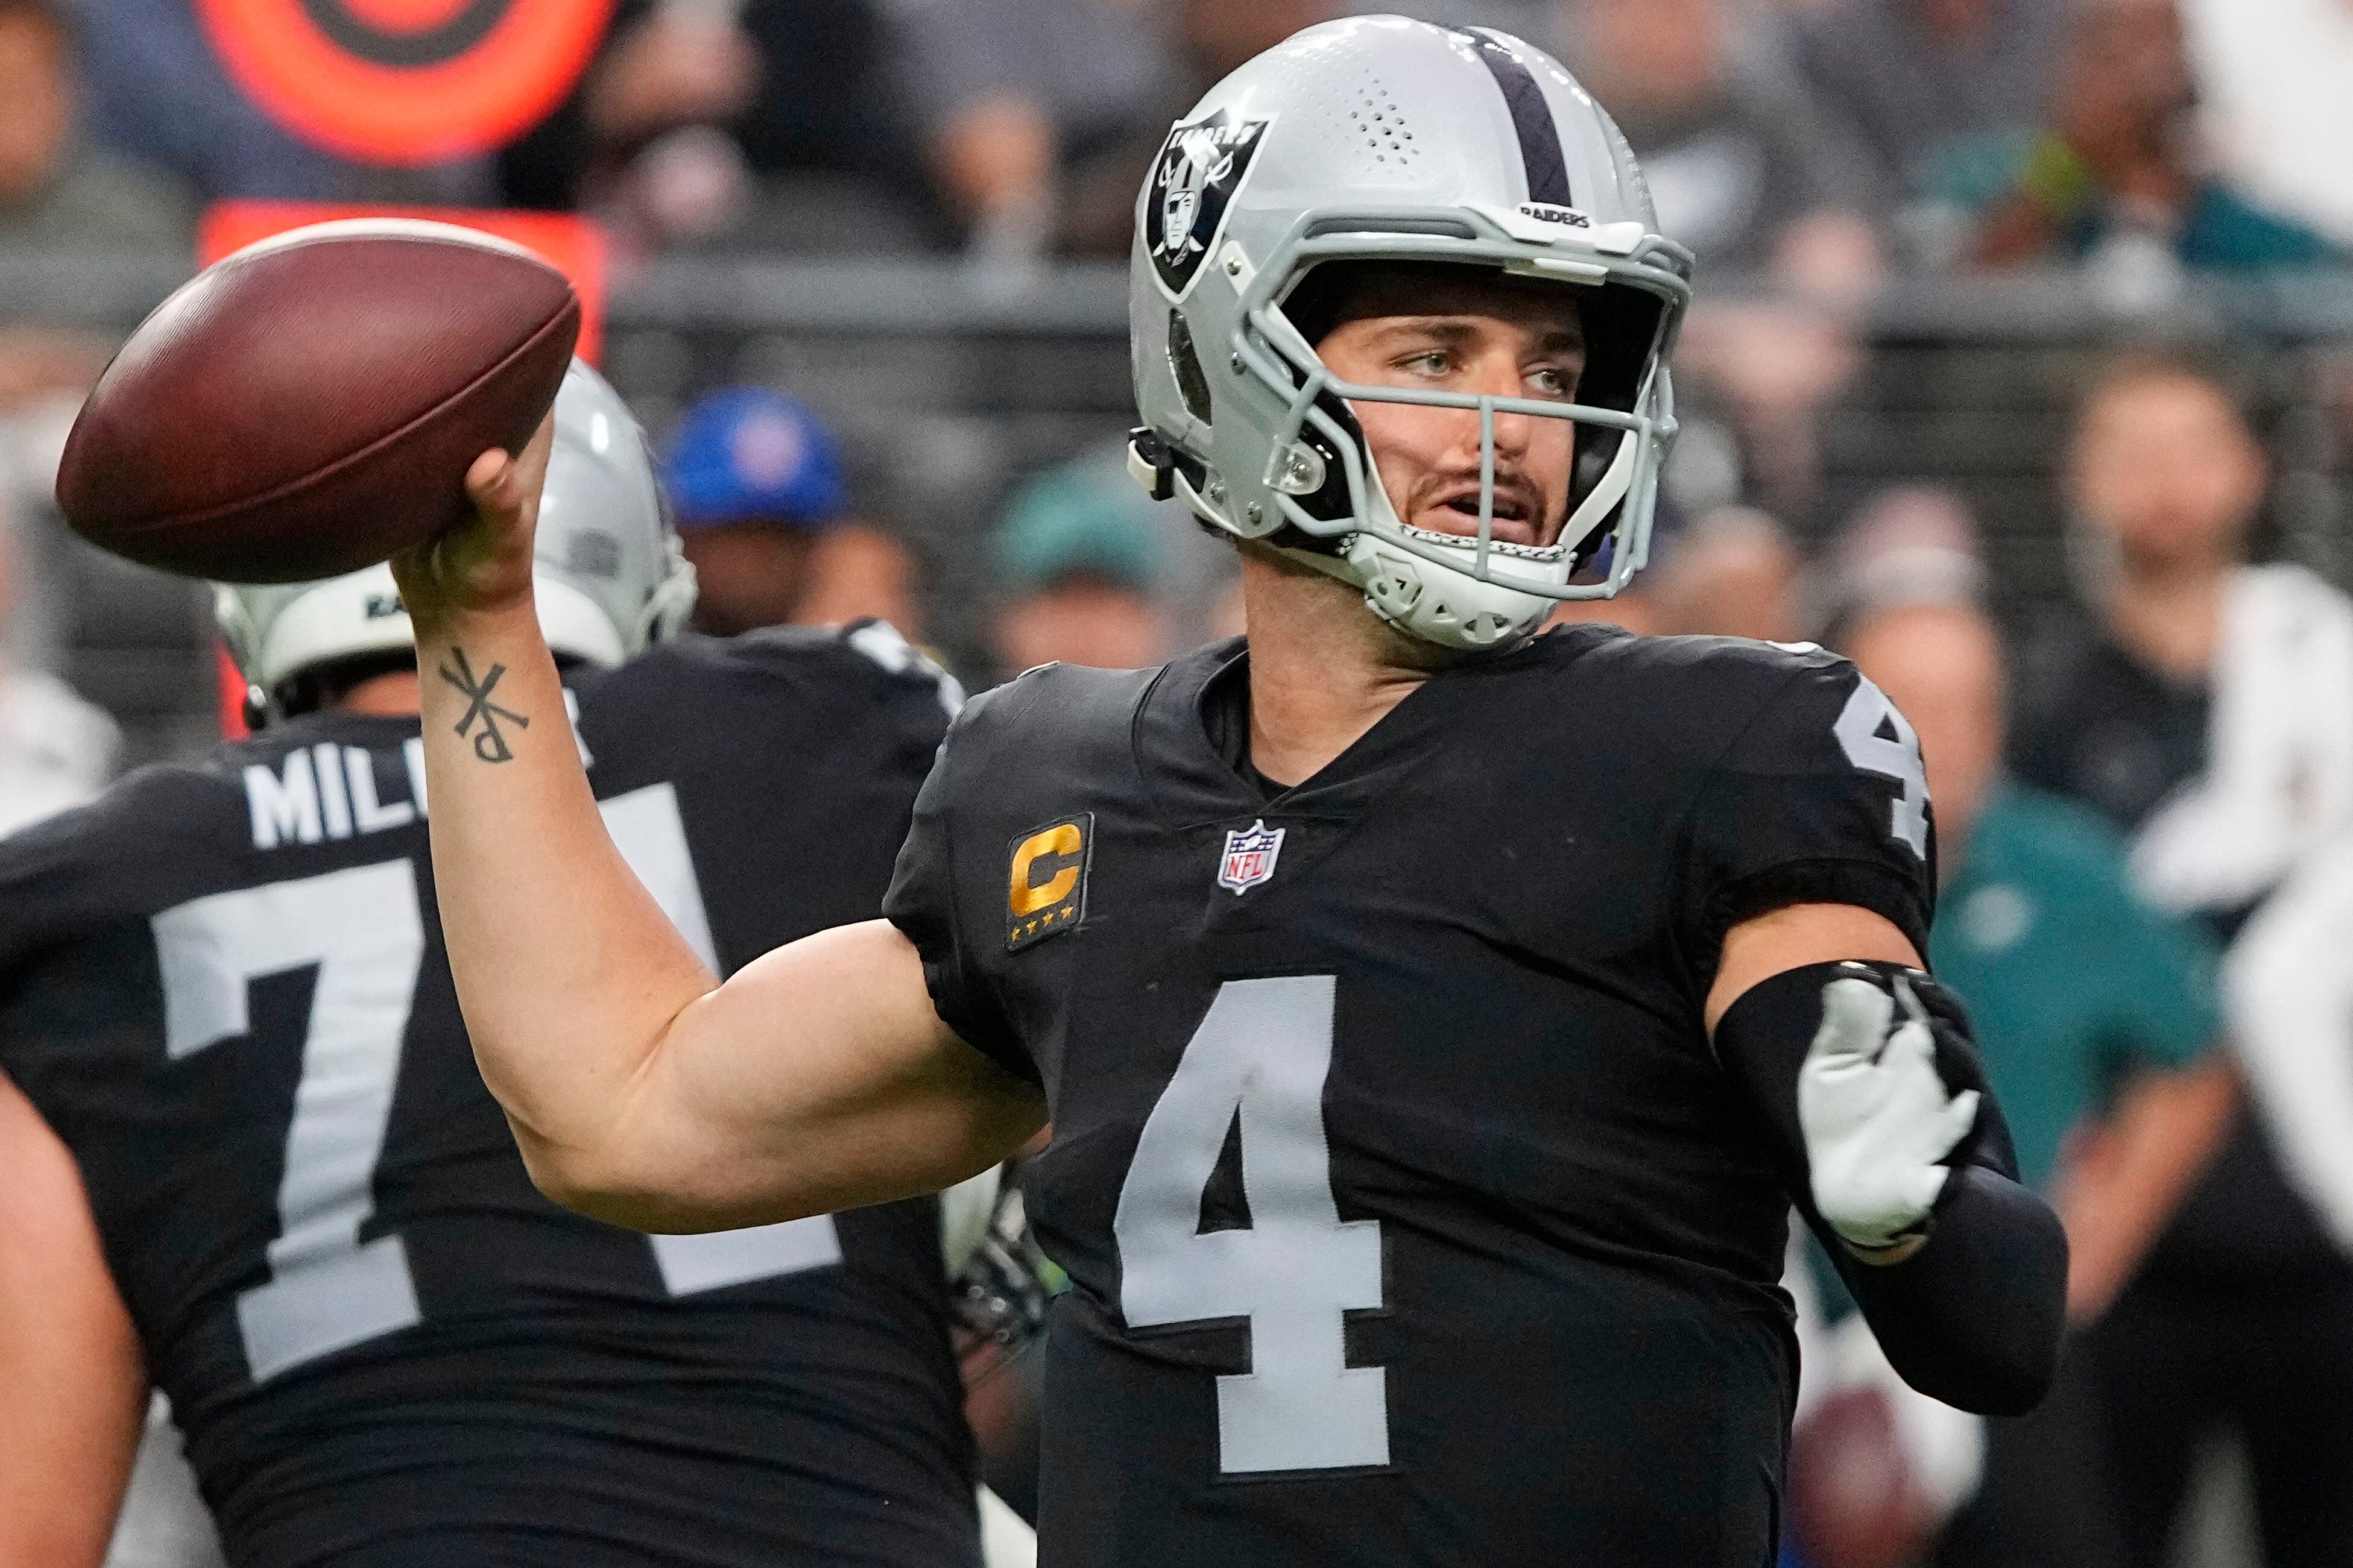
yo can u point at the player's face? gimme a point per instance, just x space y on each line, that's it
1489 338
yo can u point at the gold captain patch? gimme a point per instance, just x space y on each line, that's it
1046 890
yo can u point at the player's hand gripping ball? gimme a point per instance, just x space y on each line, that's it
311 404
485 562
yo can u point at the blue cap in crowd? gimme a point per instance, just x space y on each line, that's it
748 454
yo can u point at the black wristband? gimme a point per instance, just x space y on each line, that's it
1762 1041
1973 1317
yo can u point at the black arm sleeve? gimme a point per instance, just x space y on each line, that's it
1974 1317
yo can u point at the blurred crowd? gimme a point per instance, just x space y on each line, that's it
1821 141
1809 151
2133 810
2144 807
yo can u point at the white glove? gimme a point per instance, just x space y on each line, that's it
1876 1119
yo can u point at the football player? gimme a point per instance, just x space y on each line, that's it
245 1154
1435 1019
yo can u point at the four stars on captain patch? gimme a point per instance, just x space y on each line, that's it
1066 913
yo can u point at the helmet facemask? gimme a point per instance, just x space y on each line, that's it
1619 329
1326 483
1318 493
1381 139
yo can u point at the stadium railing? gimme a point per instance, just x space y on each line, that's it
950 384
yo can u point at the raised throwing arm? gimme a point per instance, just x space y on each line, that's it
640 1089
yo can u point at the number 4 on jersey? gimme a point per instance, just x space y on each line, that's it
1893 756
1262 1054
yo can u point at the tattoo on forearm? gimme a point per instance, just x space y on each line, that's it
489 742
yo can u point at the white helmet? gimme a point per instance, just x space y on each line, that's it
1382 139
608 576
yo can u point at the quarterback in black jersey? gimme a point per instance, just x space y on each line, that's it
1435 1021
246 1154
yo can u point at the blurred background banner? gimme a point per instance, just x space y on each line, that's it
406 82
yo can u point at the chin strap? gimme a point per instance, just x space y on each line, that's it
1593 514
1333 564
1438 605
670 605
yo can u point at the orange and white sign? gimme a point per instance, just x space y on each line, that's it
404 82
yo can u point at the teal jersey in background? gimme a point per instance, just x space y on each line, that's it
2071 979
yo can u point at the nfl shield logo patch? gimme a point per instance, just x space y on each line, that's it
1249 857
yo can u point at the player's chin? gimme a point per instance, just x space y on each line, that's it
1465 524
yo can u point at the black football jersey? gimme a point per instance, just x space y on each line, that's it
224 986
1408 1216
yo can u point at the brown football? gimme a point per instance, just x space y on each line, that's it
309 405
1855 1500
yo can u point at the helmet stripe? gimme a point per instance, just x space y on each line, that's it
1540 148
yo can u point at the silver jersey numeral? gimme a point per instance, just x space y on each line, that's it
1898 759
1261 1054
651 834
362 931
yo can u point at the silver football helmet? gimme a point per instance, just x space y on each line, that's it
608 576
1382 139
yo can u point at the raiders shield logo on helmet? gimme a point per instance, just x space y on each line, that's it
1201 167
